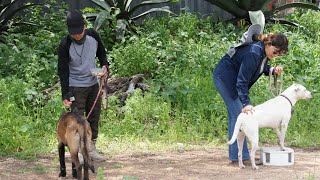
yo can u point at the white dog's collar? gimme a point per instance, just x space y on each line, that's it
289 102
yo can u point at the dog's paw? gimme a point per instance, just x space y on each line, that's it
241 166
255 167
284 149
62 174
92 168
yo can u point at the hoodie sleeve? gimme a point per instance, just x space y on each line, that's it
101 52
248 67
63 67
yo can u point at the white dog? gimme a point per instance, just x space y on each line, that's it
274 113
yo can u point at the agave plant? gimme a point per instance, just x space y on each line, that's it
7 13
240 8
122 11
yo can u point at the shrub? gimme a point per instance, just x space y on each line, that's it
135 58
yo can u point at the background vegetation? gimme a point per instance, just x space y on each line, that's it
182 107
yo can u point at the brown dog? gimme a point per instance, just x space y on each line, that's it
75 132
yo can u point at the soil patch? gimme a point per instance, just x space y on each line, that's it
194 164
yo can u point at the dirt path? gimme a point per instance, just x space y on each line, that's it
200 164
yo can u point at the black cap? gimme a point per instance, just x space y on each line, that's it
75 22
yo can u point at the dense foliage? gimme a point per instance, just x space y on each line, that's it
8 9
179 53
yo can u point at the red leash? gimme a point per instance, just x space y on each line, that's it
103 80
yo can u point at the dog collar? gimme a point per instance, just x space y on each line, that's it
289 102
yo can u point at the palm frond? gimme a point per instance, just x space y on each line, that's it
102 4
163 9
291 5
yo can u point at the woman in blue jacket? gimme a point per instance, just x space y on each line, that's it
235 73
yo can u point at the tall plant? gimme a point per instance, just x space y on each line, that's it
240 8
122 12
7 13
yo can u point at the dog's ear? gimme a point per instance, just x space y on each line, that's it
296 87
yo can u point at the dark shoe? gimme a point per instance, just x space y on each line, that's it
258 162
236 161
233 162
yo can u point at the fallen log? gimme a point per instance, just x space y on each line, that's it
118 86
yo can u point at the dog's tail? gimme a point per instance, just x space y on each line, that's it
85 146
236 130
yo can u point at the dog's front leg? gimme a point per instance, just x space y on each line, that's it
282 136
277 131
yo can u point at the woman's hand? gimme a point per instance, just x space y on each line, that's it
278 69
247 109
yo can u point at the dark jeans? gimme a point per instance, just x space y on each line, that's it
234 108
84 100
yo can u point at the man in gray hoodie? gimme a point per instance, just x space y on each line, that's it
76 56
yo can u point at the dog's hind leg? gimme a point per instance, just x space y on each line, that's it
74 170
76 164
61 149
74 144
240 141
254 147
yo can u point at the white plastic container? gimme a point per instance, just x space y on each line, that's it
273 156
97 71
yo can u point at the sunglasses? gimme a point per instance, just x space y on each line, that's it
276 52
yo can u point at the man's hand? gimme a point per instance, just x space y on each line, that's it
67 103
248 109
105 70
